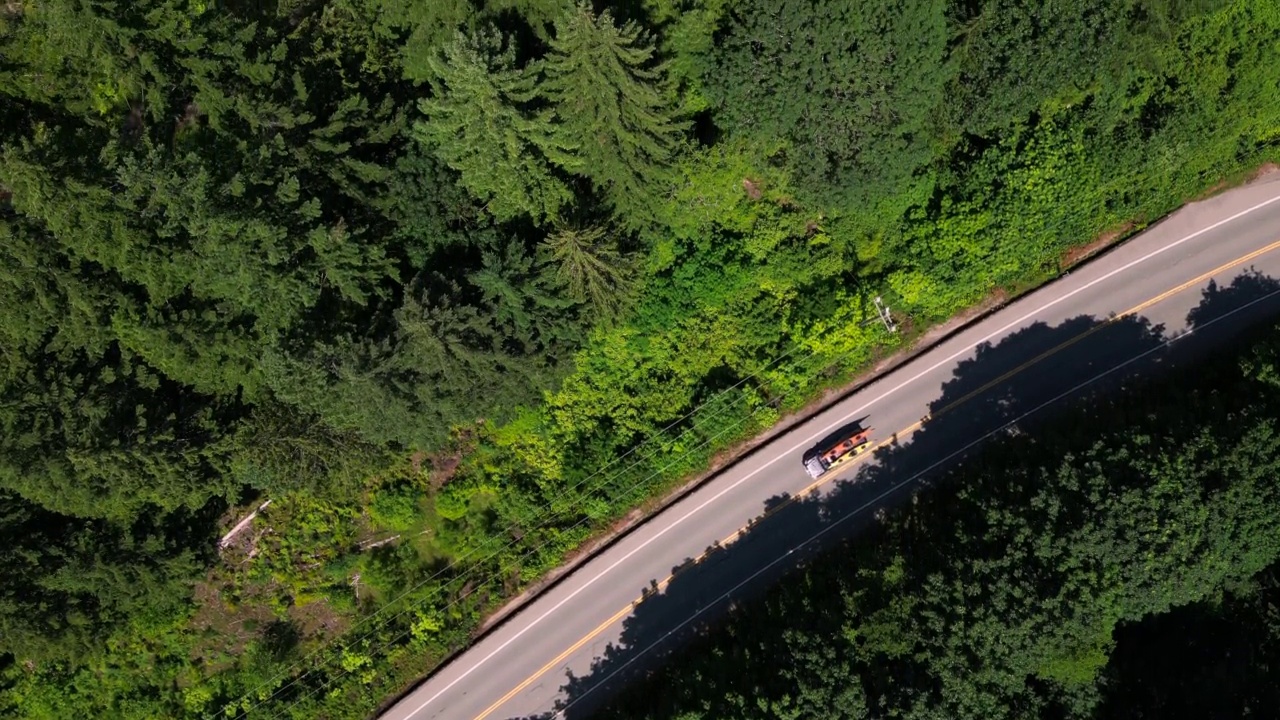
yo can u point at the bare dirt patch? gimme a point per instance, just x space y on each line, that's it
416 460
317 620
445 463
190 116
443 468
133 124
1080 253
227 624
1266 170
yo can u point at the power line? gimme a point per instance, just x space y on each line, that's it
457 561
334 677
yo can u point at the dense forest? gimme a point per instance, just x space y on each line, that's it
456 284
1119 560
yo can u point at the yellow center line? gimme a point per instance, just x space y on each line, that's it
1107 323
662 585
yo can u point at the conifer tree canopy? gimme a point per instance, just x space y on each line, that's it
606 87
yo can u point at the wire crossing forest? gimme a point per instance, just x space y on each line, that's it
457 284
1121 560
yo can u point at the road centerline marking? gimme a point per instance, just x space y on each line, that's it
889 491
1014 323
905 432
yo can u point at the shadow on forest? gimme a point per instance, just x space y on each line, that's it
1210 659
999 389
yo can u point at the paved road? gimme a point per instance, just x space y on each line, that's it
565 652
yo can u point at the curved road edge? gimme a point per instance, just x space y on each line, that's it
930 341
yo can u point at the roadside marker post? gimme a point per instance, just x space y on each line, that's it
883 311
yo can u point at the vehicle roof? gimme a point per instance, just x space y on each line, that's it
844 445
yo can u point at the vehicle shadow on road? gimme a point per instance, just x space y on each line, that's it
1008 387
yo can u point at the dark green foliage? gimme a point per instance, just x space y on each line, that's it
1003 590
1214 658
611 110
84 577
425 267
477 125
851 87
1016 58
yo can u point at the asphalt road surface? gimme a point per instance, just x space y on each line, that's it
1176 290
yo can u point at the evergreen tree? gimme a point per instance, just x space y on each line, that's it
582 261
80 578
227 266
851 89
479 124
612 108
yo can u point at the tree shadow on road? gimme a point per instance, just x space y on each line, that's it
1003 389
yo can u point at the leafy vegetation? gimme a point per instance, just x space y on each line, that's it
1085 569
1223 653
456 284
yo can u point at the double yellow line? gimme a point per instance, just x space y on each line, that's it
662 585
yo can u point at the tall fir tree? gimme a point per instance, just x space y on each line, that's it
613 107
477 123
586 264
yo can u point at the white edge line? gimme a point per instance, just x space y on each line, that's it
826 429
895 488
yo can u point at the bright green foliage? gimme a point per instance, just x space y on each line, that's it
324 252
478 125
611 109
397 508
